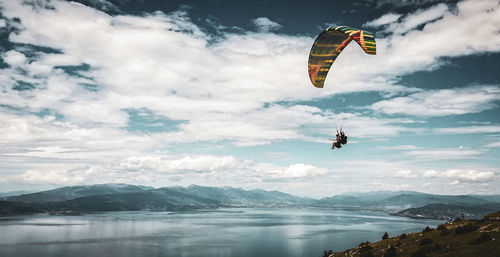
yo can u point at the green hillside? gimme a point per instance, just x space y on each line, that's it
460 238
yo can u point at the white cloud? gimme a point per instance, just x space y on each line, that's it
103 5
442 102
299 170
421 49
162 170
63 174
468 130
265 24
14 58
201 164
405 174
169 50
383 20
493 145
461 175
34 140
263 126
224 92
219 164
420 17
58 177
400 147
443 154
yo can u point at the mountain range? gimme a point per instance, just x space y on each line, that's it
123 197
397 200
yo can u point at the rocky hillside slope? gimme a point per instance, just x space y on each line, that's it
459 238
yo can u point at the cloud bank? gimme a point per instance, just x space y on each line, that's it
75 76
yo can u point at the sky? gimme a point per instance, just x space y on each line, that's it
217 93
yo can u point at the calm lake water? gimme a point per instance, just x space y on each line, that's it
222 232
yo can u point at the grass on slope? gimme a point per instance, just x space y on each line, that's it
460 238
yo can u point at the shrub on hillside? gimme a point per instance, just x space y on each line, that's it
482 238
426 241
391 252
422 252
327 253
445 232
465 229
427 229
436 247
366 251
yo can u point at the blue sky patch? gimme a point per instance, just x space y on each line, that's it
145 121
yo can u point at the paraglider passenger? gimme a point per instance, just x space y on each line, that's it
343 137
334 143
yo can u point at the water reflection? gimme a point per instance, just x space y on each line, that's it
225 232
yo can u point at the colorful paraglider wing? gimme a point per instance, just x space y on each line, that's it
330 44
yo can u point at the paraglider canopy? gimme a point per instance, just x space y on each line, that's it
329 44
